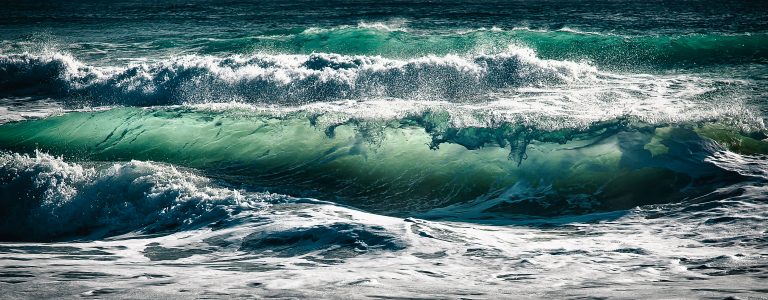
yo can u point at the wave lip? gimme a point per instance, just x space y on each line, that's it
45 198
282 78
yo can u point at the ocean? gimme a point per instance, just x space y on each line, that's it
384 149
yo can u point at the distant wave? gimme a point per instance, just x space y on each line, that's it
603 49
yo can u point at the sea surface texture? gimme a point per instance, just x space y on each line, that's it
384 149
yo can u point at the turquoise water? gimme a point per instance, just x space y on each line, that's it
494 149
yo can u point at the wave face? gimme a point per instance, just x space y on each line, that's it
410 164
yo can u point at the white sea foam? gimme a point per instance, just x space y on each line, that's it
286 78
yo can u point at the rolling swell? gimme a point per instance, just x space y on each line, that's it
283 79
411 164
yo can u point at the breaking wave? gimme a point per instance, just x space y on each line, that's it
46 198
283 79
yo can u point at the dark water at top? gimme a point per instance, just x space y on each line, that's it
202 18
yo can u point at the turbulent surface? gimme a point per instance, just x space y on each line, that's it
280 78
485 150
